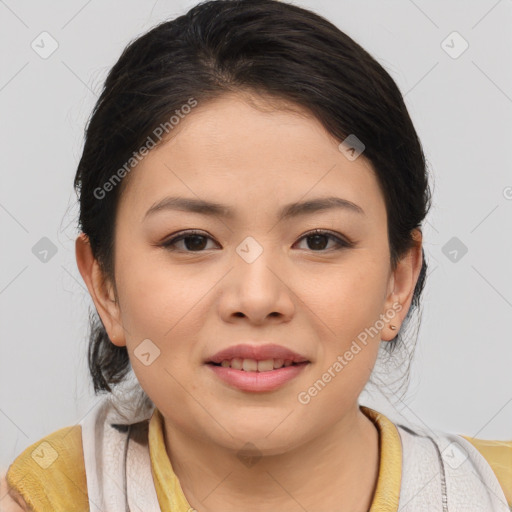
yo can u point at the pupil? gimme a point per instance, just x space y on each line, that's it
194 245
316 239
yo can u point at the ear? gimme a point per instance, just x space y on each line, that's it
101 290
401 287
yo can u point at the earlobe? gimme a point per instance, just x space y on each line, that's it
402 284
100 289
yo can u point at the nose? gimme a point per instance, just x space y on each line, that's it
258 291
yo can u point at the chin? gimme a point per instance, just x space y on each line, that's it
271 436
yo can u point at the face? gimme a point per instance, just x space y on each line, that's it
193 283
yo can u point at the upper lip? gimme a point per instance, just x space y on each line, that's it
258 352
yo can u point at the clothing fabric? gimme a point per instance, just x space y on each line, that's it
110 463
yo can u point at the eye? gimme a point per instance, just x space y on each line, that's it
318 237
194 241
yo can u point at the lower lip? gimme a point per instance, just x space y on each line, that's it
258 381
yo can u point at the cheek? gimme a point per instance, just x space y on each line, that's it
155 297
163 307
347 305
166 304
349 297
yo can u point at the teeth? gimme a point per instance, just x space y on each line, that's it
265 366
251 365
237 363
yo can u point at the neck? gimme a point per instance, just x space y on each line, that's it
338 470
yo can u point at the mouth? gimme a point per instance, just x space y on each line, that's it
257 368
254 379
253 365
256 357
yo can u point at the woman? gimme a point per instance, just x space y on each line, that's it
263 132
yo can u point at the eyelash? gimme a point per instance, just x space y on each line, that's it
341 243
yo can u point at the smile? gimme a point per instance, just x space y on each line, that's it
257 376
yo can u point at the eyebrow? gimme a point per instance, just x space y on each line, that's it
216 209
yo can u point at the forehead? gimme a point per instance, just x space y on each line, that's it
247 151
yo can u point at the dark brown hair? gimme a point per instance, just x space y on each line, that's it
274 49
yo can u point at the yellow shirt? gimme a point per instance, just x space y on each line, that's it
50 474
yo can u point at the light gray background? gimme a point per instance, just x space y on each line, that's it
462 110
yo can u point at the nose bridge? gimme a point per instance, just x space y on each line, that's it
255 286
253 265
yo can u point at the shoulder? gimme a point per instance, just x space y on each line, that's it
10 500
498 455
462 473
50 474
